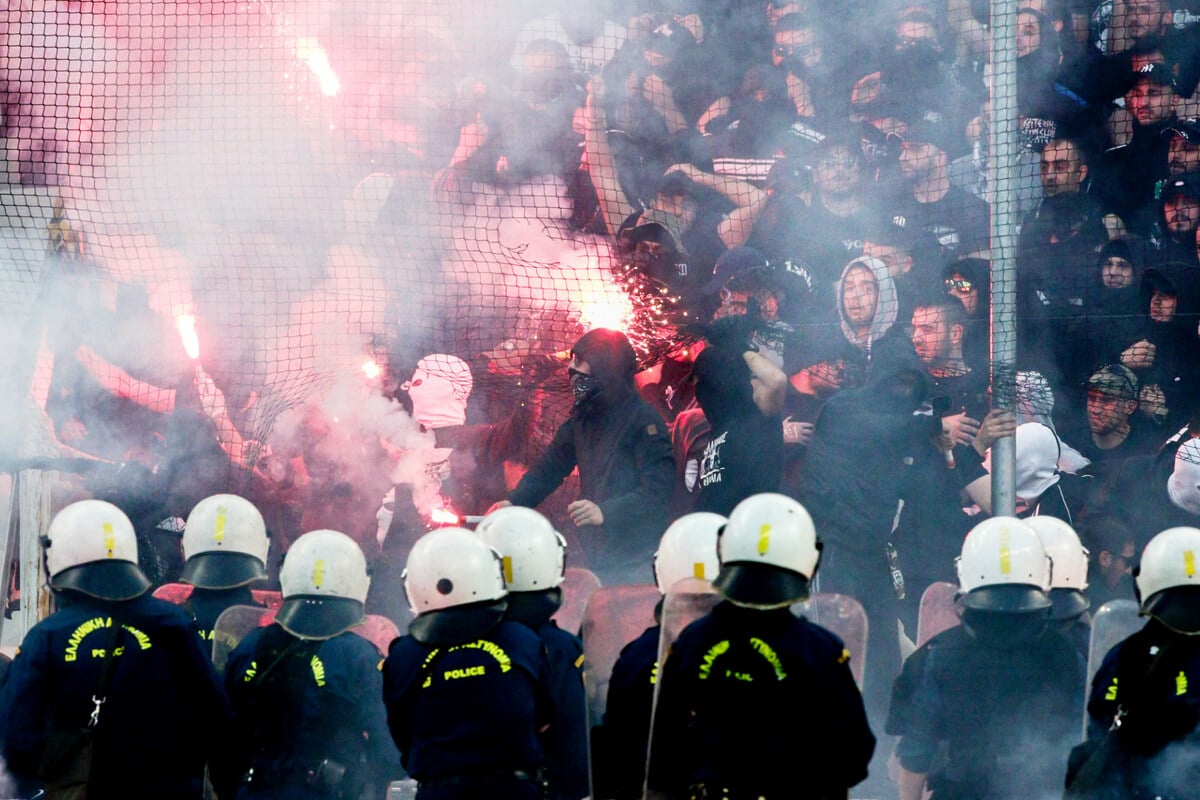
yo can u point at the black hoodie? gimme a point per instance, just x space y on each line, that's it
621 447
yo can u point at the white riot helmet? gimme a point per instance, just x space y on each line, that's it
1003 567
688 549
224 543
91 547
1069 565
324 581
455 586
532 554
768 551
1168 579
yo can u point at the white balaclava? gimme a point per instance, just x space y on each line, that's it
1184 484
1037 460
440 387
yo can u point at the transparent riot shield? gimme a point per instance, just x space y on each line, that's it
232 626
938 611
379 631
844 616
686 601
577 587
612 617
1112 623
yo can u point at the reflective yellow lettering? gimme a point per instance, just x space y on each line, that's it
1180 684
318 670
318 573
764 650
698 570
507 561
1005 552
1111 692
712 655
464 672
1189 563
219 525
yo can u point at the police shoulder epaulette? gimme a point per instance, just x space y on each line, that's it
845 656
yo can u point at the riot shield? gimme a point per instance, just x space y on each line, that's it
379 631
1112 623
938 611
612 617
685 602
577 587
232 626
840 614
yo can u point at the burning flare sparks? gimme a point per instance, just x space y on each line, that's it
371 369
313 55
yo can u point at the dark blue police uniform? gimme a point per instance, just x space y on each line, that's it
312 709
164 714
1160 734
566 742
466 717
619 745
756 704
989 720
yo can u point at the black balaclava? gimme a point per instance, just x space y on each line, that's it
723 388
613 363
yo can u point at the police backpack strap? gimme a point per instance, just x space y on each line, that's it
66 764
1098 769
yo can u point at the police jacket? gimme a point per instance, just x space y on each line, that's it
989 720
164 714
466 709
619 745
301 702
1162 701
623 451
567 738
760 703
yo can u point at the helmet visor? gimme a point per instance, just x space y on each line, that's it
1068 604
319 617
1178 608
760 585
457 624
1012 598
222 570
110 579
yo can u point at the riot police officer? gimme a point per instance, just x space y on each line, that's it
1147 690
687 549
533 556
989 709
115 661
306 689
225 549
467 690
1068 578
751 664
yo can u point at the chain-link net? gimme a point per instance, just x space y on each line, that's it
231 230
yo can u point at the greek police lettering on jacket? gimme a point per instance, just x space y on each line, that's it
163 714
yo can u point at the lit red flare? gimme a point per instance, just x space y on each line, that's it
371 369
444 516
187 334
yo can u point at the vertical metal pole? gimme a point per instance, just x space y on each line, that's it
8 536
1003 166
35 520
